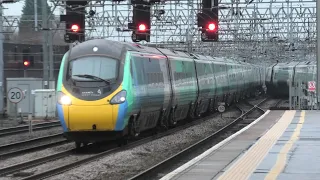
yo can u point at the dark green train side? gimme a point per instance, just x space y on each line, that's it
144 88
279 75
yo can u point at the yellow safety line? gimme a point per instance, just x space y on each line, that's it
282 156
247 164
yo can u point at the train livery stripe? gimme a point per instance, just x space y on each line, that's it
126 107
61 117
121 119
59 83
61 114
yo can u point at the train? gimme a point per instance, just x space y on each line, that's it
110 90
279 75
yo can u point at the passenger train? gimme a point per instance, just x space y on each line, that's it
109 90
279 75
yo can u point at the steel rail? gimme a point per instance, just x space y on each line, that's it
32 149
171 160
26 142
61 169
25 128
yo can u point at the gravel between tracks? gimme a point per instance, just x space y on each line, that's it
127 163
25 136
35 155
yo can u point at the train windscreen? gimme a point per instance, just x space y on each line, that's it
93 68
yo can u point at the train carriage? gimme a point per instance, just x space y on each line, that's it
279 76
115 90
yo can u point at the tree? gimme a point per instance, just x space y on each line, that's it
26 24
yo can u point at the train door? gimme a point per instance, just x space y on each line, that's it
218 78
243 77
226 79
212 79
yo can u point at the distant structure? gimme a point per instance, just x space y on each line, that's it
278 30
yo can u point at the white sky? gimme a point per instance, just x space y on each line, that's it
13 9
16 8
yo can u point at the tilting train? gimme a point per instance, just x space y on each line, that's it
279 75
115 90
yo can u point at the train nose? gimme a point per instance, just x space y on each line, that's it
88 118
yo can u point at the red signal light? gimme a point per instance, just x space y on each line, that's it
75 28
142 27
26 63
212 27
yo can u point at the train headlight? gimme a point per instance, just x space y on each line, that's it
119 98
64 99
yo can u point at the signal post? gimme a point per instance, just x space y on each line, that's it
208 21
141 21
75 21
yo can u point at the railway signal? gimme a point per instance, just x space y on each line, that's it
26 63
75 28
27 59
142 27
211 27
141 23
75 21
208 20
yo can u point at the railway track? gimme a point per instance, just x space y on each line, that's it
17 148
25 128
255 106
176 160
89 158
277 105
70 165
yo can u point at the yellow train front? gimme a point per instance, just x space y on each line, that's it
92 99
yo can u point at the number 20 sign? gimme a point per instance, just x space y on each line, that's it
15 95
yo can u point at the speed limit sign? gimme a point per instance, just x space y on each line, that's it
15 95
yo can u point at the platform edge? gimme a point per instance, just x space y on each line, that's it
207 152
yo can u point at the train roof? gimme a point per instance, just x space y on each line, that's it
294 63
116 50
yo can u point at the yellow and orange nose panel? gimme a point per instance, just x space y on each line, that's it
98 115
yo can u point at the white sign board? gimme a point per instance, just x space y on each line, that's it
221 108
311 86
15 95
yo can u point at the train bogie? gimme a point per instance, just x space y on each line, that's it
126 88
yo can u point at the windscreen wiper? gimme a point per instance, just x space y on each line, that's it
93 77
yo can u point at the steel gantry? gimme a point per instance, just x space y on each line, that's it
268 28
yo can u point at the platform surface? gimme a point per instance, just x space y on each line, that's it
282 145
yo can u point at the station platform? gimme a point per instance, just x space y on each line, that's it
278 145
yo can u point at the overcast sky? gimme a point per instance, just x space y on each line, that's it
13 9
16 8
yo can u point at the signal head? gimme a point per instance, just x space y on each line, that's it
211 27
142 27
26 63
75 28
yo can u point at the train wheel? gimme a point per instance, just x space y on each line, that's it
123 141
191 112
133 130
163 123
78 145
198 110
211 106
172 119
